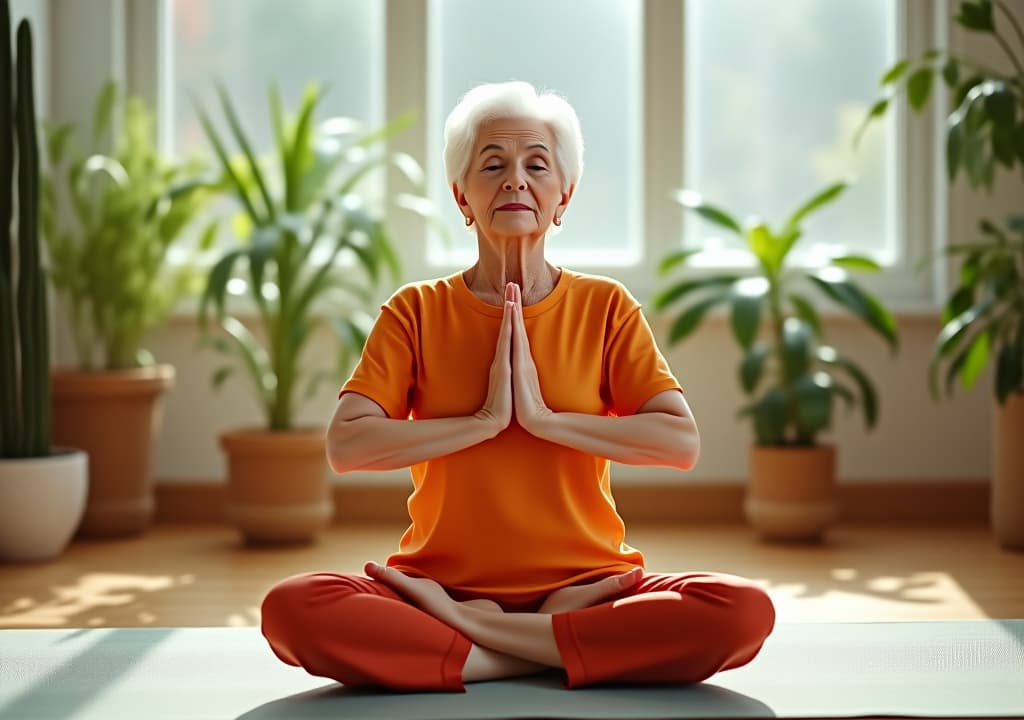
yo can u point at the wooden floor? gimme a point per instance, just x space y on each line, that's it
204 576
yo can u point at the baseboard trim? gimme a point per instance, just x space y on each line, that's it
875 501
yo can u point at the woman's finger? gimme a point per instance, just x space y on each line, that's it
505 334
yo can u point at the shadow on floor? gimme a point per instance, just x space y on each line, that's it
537 696
62 692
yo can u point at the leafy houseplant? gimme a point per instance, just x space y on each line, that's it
983 317
793 377
42 490
111 227
302 212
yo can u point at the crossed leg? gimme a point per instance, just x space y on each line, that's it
664 628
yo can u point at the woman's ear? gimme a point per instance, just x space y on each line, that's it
566 196
460 198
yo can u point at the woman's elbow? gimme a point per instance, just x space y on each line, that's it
339 456
688 448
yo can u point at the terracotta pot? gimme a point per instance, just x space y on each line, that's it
278 484
792 493
41 503
114 416
1007 497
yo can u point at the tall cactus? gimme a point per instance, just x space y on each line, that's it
24 334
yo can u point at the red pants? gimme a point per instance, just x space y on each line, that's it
678 628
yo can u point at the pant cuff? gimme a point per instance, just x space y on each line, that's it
569 649
453 663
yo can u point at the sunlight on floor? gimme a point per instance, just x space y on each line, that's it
919 596
88 598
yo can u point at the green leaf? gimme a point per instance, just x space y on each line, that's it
958 302
747 300
666 297
243 142
954 146
688 321
976 16
813 406
868 396
254 358
919 87
895 72
795 349
102 111
1009 371
216 285
951 72
856 262
877 110
1002 146
770 418
752 367
950 336
235 180
820 200
806 312
693 201
861 303
57 140
1001 106
977 354
208 238
672 260
764 246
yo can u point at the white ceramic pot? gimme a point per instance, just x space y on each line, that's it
41 504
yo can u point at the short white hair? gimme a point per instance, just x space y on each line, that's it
517 99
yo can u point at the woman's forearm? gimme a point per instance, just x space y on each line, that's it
648 438
378 443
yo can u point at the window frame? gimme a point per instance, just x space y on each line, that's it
922 196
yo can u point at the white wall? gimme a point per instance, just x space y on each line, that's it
916 439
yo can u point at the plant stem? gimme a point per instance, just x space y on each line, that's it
1013 58
1013 21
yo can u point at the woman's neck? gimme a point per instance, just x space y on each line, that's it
518 264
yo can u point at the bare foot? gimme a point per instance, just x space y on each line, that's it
427 594
483 604
577 597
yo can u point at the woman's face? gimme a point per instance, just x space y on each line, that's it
512 187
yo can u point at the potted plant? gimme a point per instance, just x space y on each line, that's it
793 377
111 225
304 214
983 317
42 488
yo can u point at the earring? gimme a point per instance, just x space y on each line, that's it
469 221
557 220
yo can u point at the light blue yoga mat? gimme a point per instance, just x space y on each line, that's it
916 669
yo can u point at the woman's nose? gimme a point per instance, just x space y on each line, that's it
514 184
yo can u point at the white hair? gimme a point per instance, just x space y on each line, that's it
493 101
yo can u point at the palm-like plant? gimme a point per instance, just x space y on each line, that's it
793 376
301 213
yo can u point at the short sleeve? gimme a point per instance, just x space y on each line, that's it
635 369
386 370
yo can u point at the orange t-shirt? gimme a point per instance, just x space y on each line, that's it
514 517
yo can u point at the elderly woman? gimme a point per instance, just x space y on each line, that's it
507 388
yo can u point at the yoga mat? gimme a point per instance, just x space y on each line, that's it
816 670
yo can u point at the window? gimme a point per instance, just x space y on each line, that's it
247 44
774 94
751 104
597 71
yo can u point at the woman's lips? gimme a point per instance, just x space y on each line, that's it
515 206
